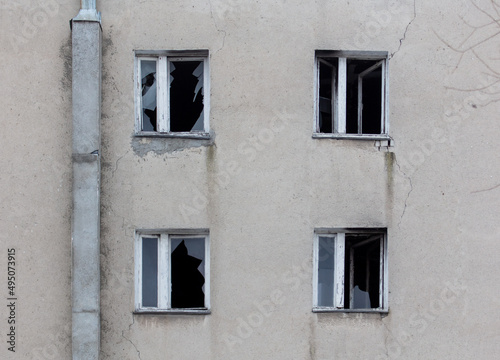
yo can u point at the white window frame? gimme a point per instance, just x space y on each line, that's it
339 89
338 234
164 269
163 59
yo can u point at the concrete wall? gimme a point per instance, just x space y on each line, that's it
35 180
265 184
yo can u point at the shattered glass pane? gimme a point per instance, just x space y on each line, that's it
149 272
186 96
148 88
188 272
325 270
361 299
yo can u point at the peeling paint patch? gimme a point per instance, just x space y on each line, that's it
160 146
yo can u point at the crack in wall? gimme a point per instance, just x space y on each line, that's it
386 340
312 336
484 190
217 27
116 164
130 341
409 192
406 29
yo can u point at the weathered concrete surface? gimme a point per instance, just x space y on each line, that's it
35 180
265 184
261 195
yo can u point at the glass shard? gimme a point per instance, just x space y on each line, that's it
148 93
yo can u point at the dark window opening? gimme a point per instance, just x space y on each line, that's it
327 89
188 273
186 96
150 272
364 97
362 271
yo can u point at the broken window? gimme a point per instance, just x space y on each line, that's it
172 93
172 271
351 94
350 270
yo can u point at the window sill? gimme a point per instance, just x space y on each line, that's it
172 312
179 135
329 309
351 136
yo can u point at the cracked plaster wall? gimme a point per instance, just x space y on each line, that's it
35 180
262 184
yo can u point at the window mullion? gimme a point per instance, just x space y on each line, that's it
207 272
138 95
163 272
383 273
318 81
341 96
338 296
334 101
316 269
138 272
360 104
383 111
351 278
206 95
162 96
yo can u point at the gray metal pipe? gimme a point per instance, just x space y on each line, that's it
85 223
88 11
88 4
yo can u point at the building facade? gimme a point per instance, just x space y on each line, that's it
240 180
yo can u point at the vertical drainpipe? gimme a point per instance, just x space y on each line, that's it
85 226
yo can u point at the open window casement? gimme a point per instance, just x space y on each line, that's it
371 94
350 270
351 95
172 93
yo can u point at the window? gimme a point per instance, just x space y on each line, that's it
351 99
172 271
172 93
350 270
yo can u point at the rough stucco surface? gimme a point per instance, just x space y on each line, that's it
35 180
264 183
